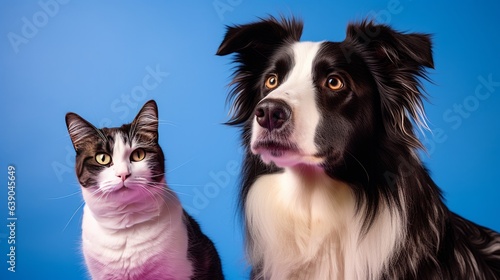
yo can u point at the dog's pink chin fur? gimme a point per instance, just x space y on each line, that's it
289 158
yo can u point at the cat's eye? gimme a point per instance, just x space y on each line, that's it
103 158
138 155
334 82
272 81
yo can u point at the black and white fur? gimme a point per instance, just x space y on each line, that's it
332 186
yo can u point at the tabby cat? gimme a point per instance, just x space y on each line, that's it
134 226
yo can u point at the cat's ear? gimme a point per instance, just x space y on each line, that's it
79 130
145 123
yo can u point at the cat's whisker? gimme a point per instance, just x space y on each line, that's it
169 196
158 175
160 186
157 187
171 123
181 193
97 191
101 195
64 196
72 216
151 194
106 195
175 168
184 185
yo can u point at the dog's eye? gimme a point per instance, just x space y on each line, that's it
334 83
272 81
103 158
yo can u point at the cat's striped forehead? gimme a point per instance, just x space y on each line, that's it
117 137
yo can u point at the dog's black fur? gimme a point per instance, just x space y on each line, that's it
373 148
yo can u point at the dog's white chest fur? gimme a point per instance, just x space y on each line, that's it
304 226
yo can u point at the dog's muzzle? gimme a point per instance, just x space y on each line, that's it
273 114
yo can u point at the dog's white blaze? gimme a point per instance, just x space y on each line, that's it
298 91
304 226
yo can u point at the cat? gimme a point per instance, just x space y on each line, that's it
134 226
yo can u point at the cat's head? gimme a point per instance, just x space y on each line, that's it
124 160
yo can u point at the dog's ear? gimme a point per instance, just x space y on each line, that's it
253 45
397 61
260 36
402 49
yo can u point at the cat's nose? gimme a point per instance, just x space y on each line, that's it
123 173
123 176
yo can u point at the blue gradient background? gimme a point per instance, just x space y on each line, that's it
90 56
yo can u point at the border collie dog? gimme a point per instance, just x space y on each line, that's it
332 185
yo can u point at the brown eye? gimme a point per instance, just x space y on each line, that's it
103 158
334 83
272 81
138 155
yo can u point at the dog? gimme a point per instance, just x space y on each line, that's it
332 184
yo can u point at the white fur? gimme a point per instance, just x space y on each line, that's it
304 226
298 92
126 229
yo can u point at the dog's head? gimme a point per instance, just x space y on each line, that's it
325 103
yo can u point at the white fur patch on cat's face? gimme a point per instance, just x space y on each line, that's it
123 172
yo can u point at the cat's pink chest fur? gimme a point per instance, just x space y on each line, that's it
155 249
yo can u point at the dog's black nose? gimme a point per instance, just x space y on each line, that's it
272 114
